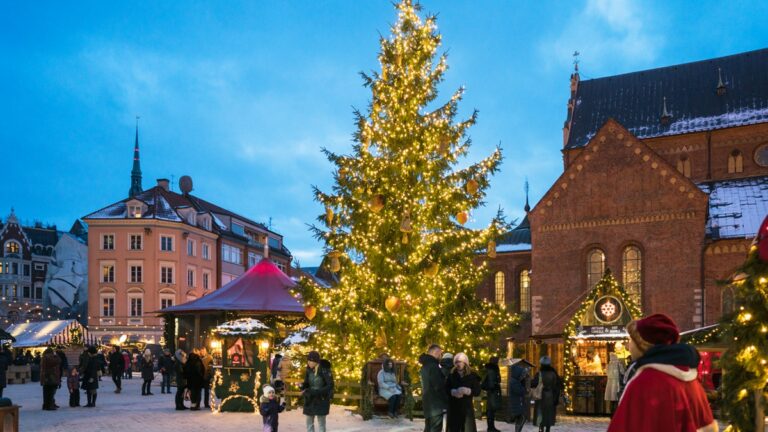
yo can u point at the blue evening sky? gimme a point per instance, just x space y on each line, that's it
241 95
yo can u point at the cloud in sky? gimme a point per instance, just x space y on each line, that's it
604 32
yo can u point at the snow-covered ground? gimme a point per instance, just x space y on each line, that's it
131 411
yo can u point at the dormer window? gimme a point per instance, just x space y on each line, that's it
12 247
134 210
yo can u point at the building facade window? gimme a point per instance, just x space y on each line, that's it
525 291
166 302
136 242
190 247
14 268
26 270
684 165
134 211
632 272
735 162
499 288
206 280
595 267
108 242
166 274
166 243
107 272
238 229
12 247
253 259
38 290
136 274
107 305
26 292
137 304
206 251
191 278
231 254
728 304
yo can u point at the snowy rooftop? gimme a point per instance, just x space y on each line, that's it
636 99
736 207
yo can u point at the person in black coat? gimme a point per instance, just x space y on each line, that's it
116 368
166 365
317 390
91 376
492 385
434 397
5 361
194 372
463 384
181 382
147 366
546 408
270 409
518 389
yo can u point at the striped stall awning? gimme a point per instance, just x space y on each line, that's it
46 333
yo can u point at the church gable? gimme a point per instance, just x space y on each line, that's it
617 179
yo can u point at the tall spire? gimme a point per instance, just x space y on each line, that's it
136 171
527 206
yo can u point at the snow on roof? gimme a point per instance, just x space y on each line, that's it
513 247
242 326
736 207
41 333
299 337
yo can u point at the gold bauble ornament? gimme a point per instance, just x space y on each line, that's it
335 263
376 203
310 312
462 217
328 215
432 269
392 303
472 186
491 249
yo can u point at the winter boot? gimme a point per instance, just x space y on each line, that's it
93 401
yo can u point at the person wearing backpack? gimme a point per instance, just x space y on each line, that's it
546 391
519 390
492 385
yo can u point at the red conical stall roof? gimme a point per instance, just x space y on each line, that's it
264 288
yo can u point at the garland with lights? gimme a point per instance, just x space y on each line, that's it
745 362
606 286
393 223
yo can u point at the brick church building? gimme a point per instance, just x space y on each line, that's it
665 182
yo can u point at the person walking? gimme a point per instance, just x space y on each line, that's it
50 378
73 385
147 366
389 388
166 365
614 372
270 409
127 363
463 384
492 385
181 381
434 395
91 376
116 367
207 359
317 390
664 392
545 408
518 389
194 372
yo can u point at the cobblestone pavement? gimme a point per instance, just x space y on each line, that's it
156 413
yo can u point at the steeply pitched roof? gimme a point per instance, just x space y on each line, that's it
636 99
516 240
736 207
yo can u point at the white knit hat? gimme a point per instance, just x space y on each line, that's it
267 389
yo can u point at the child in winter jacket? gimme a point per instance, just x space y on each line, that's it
73 384
270 408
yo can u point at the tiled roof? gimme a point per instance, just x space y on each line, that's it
518 239
636 99
736 207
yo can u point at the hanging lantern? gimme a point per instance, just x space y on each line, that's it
405 227
431 270
335 263
392 303
472 186
491 249
310 312
376 203
328 214
462 217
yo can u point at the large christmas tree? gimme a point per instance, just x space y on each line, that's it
745 363
394 223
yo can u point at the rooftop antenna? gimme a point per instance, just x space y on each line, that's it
576 55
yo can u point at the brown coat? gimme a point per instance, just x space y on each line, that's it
50 369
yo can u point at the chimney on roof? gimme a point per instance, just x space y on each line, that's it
163 183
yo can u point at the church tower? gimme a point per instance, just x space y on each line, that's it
136 171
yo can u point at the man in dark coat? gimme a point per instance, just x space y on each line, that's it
546 407
166 365
116 367
91 376
50 378
5 361
434 395
317 390
492 385
181 381
194 372
518 388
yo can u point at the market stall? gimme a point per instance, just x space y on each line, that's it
594 338
241 348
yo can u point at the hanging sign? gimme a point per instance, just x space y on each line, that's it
608 309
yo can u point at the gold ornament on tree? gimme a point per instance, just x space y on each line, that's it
472 186
491 249
405 227
392 303
310 312
376 203
462 217
432 269
329 215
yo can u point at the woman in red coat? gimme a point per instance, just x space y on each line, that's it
663 394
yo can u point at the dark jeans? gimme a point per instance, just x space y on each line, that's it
393 404
48 392
145 386
74 398
435 423
165 386
490 416
207 393
180 396
194 396
117 379
518 421
128 374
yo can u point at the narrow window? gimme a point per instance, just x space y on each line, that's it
632 266
735 162
595 267
500 288
684 165
525 291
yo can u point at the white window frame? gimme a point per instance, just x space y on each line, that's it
131 265
206 280
140 238
164 298
500 288
103 241
191 276
172 240
193 244
206 251
172 267
102 298
131 305
135 211
102 265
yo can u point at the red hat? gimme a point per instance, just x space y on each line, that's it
658 329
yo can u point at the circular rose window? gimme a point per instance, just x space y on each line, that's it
761 155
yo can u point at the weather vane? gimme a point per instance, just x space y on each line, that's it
576 60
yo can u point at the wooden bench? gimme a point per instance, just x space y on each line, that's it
371 402
9 418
